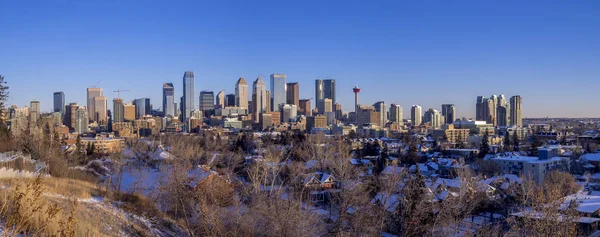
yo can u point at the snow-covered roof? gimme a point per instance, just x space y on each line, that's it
392 170
591 157
585 203
390 202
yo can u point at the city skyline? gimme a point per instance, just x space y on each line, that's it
457 56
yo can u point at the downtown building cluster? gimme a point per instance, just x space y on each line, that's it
265 106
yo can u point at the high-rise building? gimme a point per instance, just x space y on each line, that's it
259 98
489 111
70 112
81 120
318 121
305 107
220 100
278 94
449 113
119 110
396 114
288 113
59 102
241 93
91 109
480 114
325 106
168 100
207 103
502 113
34 114
129 112
324 88
367 115
416 115
189 98
293 94
516 113
100 108
230 100
268 92
338 111
380 107
141 106
434 118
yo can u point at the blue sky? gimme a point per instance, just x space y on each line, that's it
403 52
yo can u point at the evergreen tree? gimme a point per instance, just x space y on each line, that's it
484 149
506 141
515 141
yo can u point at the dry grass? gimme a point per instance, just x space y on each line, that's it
61 207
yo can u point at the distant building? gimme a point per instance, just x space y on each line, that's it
119 110
324 89
293 94
259 99
516 113
100 108
396 114
304 107
59 102
230 100
69 118
368 115
502 113
480 114
278 93
434 118
142 107
380 107
129 112
220 100
241 93
288 113
416 113
339 114
231 111
188 104
326 106
207 103
81 120
318 121
449 113
91 103
34 114
169 100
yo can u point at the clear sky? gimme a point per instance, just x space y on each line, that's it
403 52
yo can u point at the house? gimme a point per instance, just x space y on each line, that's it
320 185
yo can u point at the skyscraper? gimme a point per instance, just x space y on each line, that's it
230 100
489 111
278 94
449 113
189 98
416 115
288 113
434 118
516 113
207 103
220 99
81 120
380 107
268 102
34 114
70 112
325 106
293 94
259 98
91 109
502 113
168 100
59 102
396 114
100 108
119 110
480 114
324 88
128 112
241 93
305 107
141 105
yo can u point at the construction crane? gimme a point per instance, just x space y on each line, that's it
119 92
